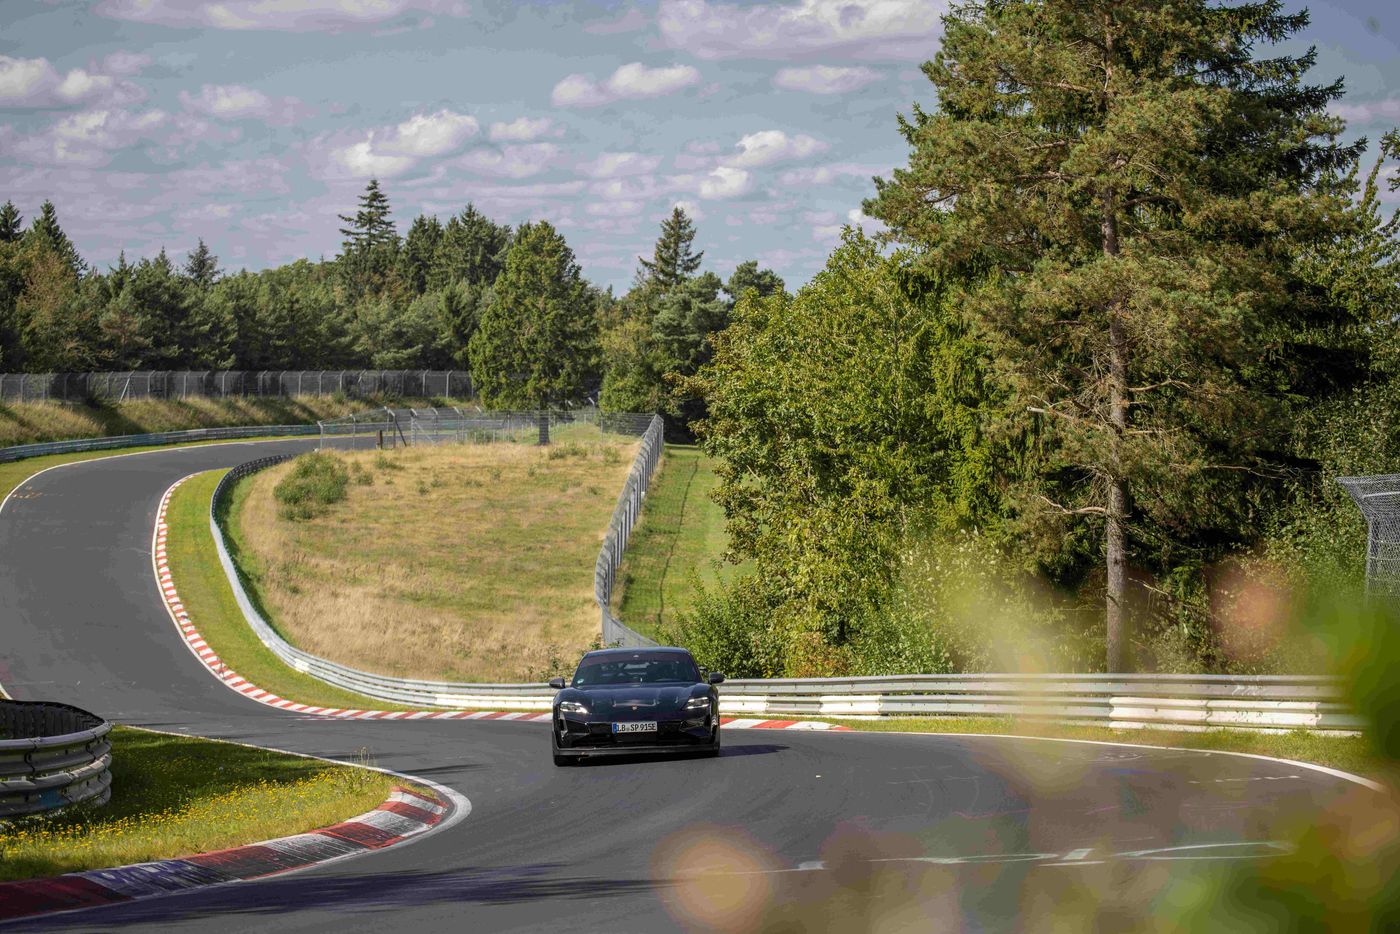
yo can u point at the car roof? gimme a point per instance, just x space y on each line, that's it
674 650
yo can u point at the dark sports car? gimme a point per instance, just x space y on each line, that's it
623 701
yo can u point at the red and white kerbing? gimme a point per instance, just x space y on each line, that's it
211 661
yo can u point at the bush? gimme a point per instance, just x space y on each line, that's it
731 629
314 483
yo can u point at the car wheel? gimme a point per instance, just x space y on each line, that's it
714 750
559 760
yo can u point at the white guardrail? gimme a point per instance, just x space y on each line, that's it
1190 702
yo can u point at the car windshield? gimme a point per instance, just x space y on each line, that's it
636 668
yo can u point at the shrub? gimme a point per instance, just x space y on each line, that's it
732 629
314 483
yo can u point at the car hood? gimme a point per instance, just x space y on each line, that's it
626 696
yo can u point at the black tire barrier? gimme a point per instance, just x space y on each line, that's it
51 755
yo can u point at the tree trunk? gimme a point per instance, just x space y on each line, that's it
1116 584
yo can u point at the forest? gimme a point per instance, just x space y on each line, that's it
1133 312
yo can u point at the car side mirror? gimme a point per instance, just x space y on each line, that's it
557 683
716 677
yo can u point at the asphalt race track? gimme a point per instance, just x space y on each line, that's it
786 831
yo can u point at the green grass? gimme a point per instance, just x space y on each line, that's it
1350 753
208 598
180 795
31 422
680 538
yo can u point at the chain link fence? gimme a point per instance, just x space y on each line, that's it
216 384
1378 497
395 427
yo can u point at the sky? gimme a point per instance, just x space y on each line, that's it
254 123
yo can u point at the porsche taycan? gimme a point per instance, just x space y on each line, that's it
629 701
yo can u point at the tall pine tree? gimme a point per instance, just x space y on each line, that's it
672 261
11 223
371 244
202 266
1120 187
472 249
46 228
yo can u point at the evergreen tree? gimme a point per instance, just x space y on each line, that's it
11 223
419 249
536 343
672 261
47 229
472 249
1120 188
748 276
59 331
202 266
371 244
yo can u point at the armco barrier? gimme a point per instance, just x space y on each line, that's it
1269 702
51 755
22 451
1189 702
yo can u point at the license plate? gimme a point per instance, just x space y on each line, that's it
635 726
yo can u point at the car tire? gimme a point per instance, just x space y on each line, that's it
559 760
713 750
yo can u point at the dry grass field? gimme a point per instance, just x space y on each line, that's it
459 562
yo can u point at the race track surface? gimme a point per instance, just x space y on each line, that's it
786 831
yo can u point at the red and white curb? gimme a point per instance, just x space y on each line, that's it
403 816
231 679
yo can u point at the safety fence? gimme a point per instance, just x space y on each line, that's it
186 384
51 755
393 426
624 519
441 693
22 451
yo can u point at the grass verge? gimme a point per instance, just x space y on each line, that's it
458 563
679 540
1354 754
31 422
208 598
179 795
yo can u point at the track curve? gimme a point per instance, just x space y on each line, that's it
808 830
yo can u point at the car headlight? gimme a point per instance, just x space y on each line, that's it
569 706
698 703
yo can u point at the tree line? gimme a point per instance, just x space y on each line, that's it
1082 408
510 305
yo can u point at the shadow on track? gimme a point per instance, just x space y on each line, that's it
728 752
350 896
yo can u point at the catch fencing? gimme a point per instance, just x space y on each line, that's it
1378 498
51 755
217 384
391 427
442 693
624 519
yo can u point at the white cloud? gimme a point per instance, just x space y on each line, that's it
1366 112
291 15
394 150
634 188
236 102
614 164
723 182
873 29
125 63
825 79
633 81
34 82
691 208
521 130
615 208
510 161
91 137
826 174
769 146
